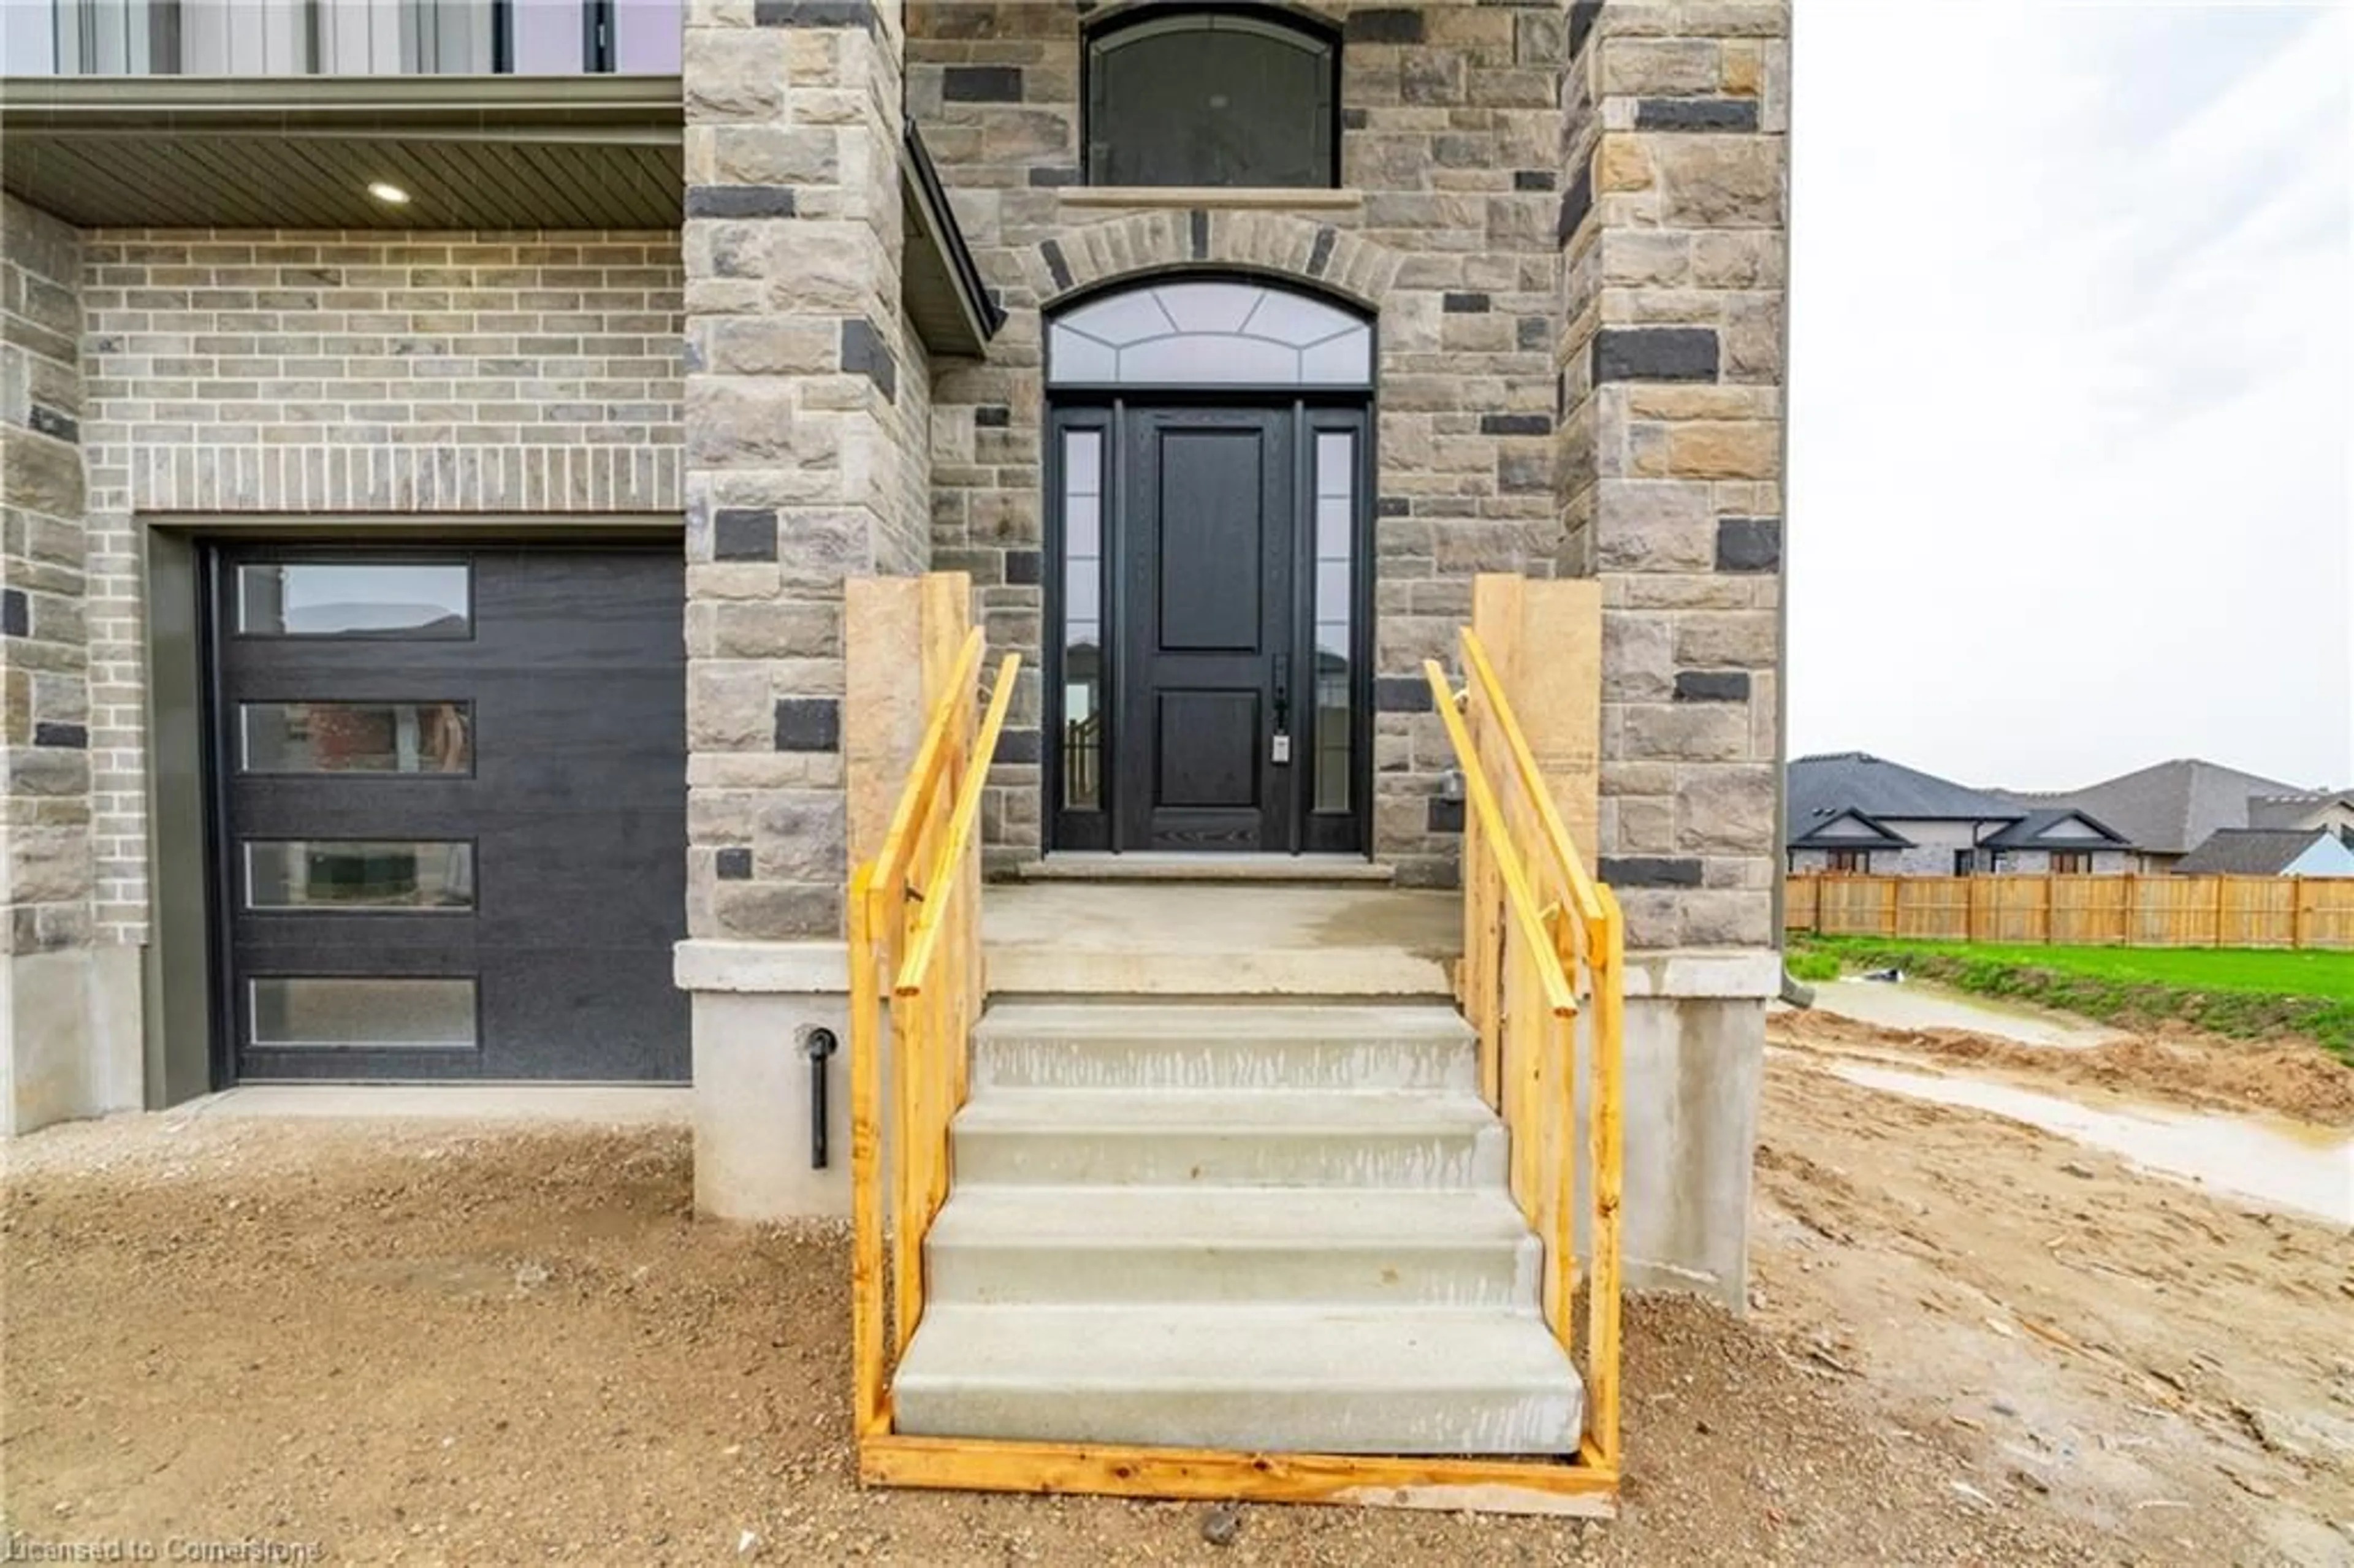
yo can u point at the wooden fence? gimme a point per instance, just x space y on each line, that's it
2091 911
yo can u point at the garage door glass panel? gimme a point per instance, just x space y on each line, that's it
322 599
316 875
355 738
330 1011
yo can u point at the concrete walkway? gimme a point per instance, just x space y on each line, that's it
635 1105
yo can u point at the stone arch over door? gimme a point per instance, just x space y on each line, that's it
1280 246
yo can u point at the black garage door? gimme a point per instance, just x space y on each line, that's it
452 788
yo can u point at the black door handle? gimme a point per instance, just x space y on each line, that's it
1282 691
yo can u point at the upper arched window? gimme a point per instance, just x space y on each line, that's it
1211 96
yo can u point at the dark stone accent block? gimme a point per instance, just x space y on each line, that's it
16 613
1525 474
1749 545
743 534
1394 506
734 864
1046 175
1654 354
1019 746
865 350
1576 203
741 201
1197 234
50 422
1319 254
1696 114
1354 119
1024 568
1402 25
808 724
981 84
1056 267
1533 179
1444 816
1650 870
1401 694
1463 304
1516 424
1583 14
815 14
73 737
1531 334
992 416
1712 686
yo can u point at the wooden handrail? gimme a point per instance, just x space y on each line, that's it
924 949
1520 899
924 775
1535 920
1557 842
914 946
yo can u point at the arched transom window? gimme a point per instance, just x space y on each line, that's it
1209 335
1211 96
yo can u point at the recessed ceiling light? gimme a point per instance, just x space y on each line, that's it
385 191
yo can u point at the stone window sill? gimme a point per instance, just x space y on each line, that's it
1290 198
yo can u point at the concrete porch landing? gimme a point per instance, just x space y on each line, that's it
1219 939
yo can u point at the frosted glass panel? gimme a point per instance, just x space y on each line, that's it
1209 335
323 1013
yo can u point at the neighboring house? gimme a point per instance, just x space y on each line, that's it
1851 811
2270 852
2170 808
2331 809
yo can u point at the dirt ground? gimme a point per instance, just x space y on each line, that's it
376 1342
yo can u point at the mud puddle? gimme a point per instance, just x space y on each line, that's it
1917 1004
2277 1161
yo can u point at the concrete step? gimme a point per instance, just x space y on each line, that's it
1298 1379
1101 1043
1103 1245
1203 939
1227 1138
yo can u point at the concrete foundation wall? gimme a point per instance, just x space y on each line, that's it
1693 1070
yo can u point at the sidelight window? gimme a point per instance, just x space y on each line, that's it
1213 97
1083 620
1336 528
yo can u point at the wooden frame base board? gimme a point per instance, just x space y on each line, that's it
1213 1475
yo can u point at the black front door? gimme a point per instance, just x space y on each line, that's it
1206 519
452 788
1209 687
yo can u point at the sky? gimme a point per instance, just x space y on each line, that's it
2072 387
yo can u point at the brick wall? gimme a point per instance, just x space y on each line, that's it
45 867
1444 226
344 375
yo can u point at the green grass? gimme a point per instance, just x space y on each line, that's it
2246 993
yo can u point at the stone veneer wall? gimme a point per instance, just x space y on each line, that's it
1676 121
1450 161
44 776
805 405
341 374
